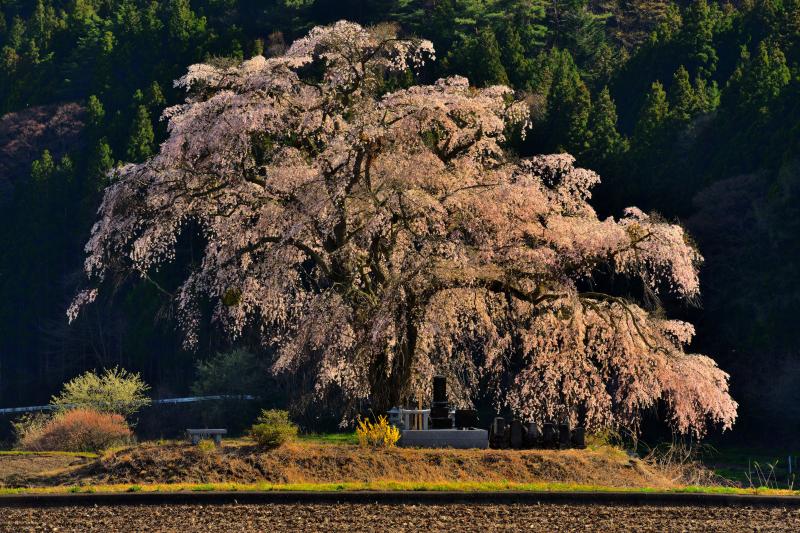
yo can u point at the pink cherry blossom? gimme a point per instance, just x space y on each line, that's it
380 239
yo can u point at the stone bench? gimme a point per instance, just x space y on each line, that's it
196 435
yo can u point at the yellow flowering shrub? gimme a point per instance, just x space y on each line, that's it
378 434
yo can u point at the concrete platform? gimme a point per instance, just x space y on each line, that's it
445 438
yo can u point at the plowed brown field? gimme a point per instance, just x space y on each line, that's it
431 518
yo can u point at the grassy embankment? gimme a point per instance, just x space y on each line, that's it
87 455
390 486
603 456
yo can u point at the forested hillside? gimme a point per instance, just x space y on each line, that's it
689 109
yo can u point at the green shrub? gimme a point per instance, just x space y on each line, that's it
273 428
115 391
206 446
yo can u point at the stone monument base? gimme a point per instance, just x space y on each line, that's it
445 438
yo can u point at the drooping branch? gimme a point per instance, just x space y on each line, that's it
383 238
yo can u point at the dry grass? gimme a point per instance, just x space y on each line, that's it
304 465
682 465
303 462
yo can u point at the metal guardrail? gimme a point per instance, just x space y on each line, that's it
189 399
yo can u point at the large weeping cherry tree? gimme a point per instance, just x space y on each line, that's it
380 238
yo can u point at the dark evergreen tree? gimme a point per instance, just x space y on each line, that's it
96 113
42 169
528 17
759 79
584 32
652 119
100 162
155 97
515 62
478 57
707 94
182 22
141 140
568 105
684 103
698 35
606 145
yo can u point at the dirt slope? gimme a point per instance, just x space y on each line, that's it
306 462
